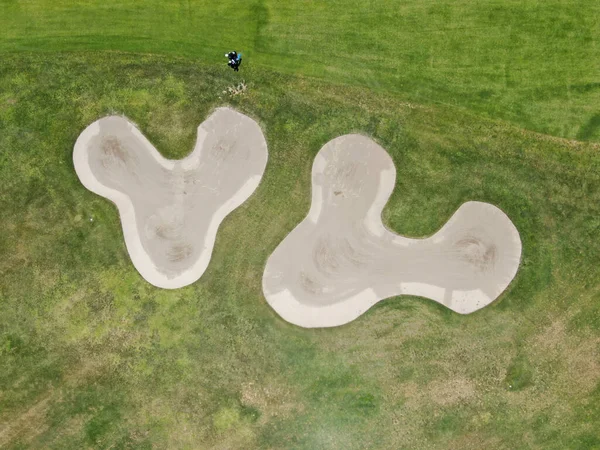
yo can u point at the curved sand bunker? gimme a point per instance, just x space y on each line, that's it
171 210
341 260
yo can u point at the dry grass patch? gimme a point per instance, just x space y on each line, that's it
272 399
451 391
25 426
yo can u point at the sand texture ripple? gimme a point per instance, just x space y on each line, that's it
171 209
340 260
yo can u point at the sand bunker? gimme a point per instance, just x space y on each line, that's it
171 210
340 260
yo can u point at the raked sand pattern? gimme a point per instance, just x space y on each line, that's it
171 210
341 260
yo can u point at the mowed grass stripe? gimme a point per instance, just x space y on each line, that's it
533 63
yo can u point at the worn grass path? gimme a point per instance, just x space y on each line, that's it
92 356
535 63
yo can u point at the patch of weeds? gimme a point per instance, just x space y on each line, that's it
226 418
449 422
405 373
519 374
345 393
238 89
250 413
587 441
11 343
234 415
102 422
362 402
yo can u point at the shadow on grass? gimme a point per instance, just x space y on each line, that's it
591 129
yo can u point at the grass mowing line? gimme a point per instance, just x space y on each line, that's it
533 64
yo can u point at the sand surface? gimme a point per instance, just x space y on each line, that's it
171 210
340 260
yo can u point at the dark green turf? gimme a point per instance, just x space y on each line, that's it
92 356
535 63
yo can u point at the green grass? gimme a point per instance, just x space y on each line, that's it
535 63
92 356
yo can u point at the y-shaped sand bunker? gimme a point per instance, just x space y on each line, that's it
341 260
171 210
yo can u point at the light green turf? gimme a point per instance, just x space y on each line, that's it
92 356
533 62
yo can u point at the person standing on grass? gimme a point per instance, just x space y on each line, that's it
238 61
235 59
